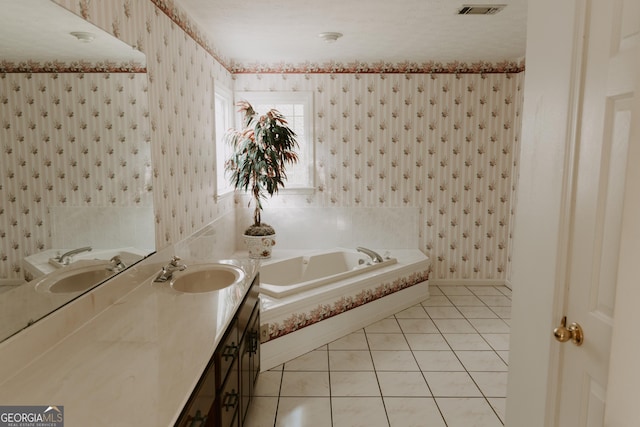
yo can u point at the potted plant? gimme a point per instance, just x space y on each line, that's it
261 150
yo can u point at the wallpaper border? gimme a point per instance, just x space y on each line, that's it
71 67
182 20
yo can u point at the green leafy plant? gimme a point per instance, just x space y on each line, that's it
261 151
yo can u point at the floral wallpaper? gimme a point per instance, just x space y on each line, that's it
182 68
440 137
68 139
444 143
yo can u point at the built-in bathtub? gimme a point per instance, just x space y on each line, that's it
294 275
310 299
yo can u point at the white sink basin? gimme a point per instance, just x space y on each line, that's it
82 276
202 278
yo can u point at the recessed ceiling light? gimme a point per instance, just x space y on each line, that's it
83 36
330 37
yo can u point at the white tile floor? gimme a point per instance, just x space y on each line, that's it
440 363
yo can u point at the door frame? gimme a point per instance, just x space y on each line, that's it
553 78
553 81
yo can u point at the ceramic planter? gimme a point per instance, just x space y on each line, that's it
260 246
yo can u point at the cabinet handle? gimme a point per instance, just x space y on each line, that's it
196 420
230 400
253 337
230 351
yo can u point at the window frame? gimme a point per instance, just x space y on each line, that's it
223 186
307 146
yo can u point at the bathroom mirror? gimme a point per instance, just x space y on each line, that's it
76 164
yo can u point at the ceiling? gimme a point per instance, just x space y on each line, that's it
26 34
391 31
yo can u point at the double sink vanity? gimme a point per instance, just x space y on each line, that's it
160 344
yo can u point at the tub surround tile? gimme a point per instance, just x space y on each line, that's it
413 412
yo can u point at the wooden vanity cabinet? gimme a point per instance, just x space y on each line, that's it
223 393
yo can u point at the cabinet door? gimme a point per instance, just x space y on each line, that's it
254 331
245 374
229 399
197 410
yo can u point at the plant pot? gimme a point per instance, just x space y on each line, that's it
260 246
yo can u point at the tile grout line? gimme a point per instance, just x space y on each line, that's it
457 357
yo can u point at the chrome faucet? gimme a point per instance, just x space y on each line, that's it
116 264
167 271
375 257
65 257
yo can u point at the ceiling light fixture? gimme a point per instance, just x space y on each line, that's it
330 37
83 36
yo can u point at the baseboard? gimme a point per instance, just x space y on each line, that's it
467 282
290 346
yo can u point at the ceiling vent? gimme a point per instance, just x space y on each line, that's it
481 9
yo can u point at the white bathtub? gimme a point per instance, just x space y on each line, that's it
309 299
293 275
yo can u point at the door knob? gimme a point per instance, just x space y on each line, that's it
573 332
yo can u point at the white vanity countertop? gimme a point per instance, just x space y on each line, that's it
134 364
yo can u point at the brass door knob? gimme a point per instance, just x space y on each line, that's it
573 332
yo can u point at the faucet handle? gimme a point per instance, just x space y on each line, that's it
174 260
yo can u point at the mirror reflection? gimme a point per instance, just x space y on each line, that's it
75 182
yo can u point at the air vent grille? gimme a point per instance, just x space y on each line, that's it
481 9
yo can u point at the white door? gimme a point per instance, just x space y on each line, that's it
607 111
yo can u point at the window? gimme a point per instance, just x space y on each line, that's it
224 115
297 108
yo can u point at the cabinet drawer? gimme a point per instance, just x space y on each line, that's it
227 352
244 312
230 398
